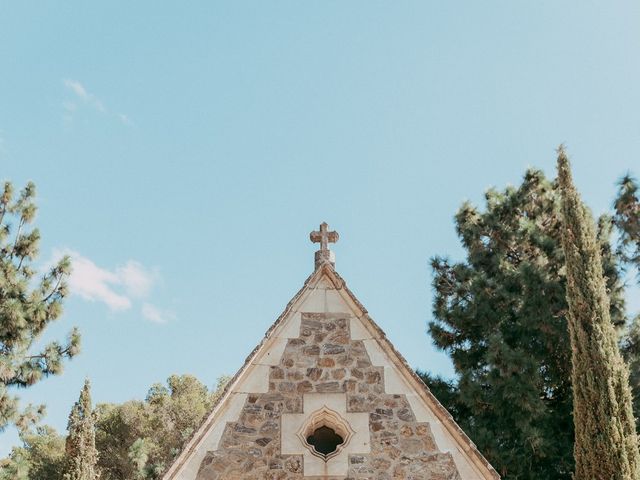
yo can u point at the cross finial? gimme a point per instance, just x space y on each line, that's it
324 237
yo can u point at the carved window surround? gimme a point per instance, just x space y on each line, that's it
325 417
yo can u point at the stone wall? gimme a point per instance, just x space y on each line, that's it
325 360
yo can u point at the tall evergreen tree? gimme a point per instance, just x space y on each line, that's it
627 219
82 456
606 444
26 310
500 316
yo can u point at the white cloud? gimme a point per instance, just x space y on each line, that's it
125 120
81 92
137 280
82 96
118 288
155 315
77 88
96 284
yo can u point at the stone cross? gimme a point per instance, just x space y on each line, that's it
324 237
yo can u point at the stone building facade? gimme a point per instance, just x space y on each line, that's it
326 396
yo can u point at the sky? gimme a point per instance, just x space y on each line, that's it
183 152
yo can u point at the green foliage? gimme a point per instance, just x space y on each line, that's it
627 219
26 310
606 444
139 439
500 315
41 457
16 466
139 457
81 453
630 349
447 393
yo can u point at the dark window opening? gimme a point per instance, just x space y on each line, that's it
325 440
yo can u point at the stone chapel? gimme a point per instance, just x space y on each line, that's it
326 396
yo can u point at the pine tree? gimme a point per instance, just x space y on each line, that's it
500 316
25 310
627 219
82 456
606 445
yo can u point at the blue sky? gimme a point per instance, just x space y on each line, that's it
183 152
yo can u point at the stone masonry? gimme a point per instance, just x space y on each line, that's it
324 359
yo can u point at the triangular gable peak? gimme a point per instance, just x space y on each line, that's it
325 362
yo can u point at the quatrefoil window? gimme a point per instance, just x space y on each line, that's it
325 433
325 440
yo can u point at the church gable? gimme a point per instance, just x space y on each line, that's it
326 396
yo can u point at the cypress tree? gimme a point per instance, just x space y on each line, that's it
606 445
82 456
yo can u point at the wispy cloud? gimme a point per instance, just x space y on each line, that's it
82 96
156 315
125 120
119 288
137 280
97 284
